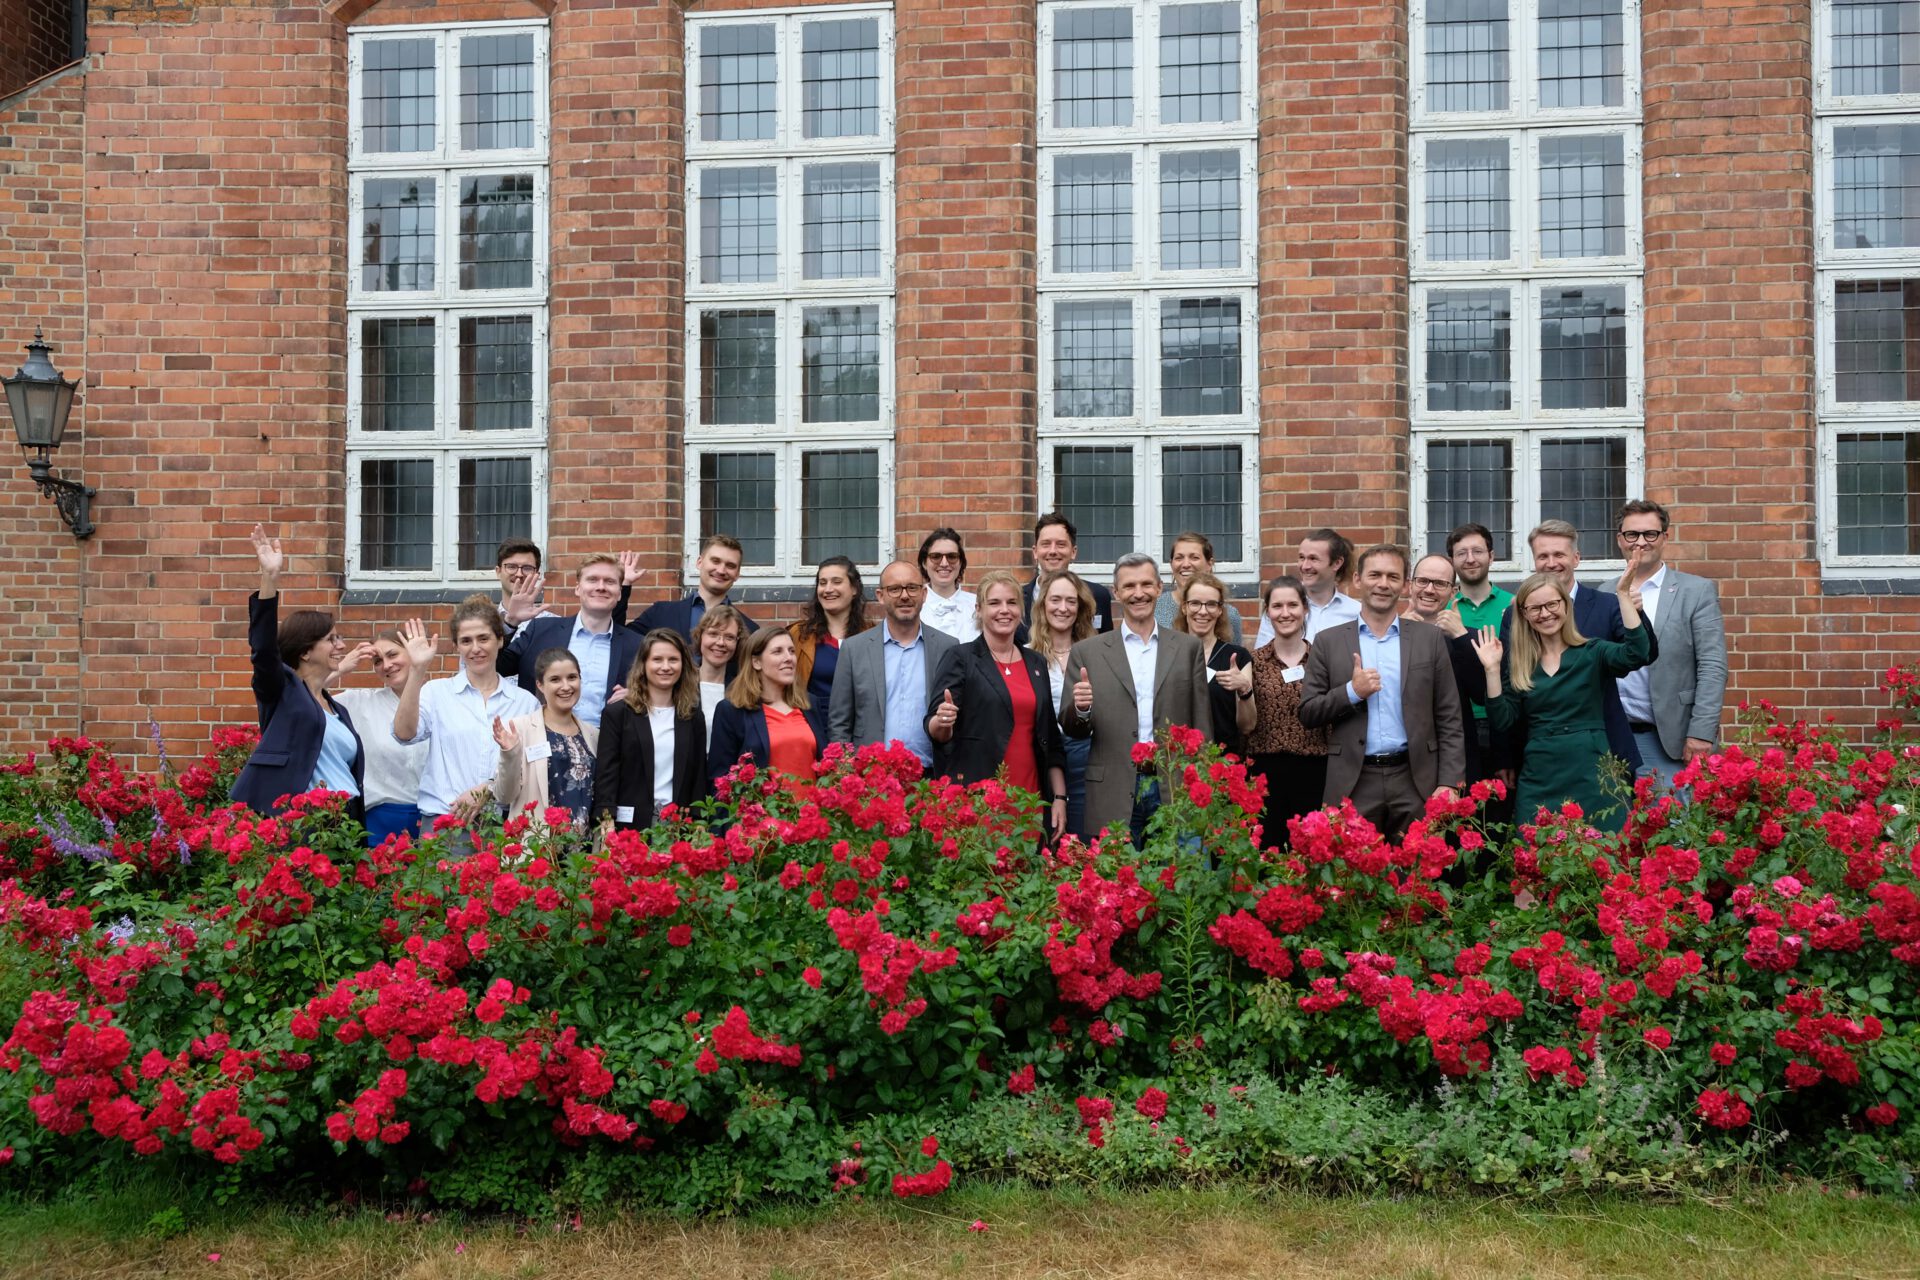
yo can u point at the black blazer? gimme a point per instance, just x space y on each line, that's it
739 733
623 771
1102 608
985 723
1470 678
675 615
541 634
291 726
1226 730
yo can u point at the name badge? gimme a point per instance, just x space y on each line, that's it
538 751
1211 673
1099 622
1293 675
623 813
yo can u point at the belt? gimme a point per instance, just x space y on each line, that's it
1642 726
1385 760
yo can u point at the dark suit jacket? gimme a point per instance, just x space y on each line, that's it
541 634
1179 697
623 771
1470 682
1596 613
738 733
675 615
1103 621
1429 707
985 723
291 726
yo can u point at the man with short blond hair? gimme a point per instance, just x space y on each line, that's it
716 569
604 650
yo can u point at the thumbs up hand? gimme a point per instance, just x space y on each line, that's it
1237 678
1083 693
948 712
1366 681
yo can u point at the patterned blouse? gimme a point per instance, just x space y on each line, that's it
1279 728
569 773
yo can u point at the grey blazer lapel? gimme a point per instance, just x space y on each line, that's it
1116 647
1166 654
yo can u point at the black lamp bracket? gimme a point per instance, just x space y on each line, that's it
75 500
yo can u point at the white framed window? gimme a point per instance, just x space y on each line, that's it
1526 358
789 275
1867 300
447 348
1149 404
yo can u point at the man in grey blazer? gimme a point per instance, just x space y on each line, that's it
1384 689
880 684
1673 705
1128 685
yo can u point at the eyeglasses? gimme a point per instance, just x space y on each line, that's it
1203 606
907 592
1433 584
513 567
1541 610
944 556
1642 535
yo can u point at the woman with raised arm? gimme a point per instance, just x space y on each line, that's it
454 715
653 743
1203 613
1062 617
307 740
1556 687
393 769
547 755
990 705
1291 757
838 609
716 642
767 715
949 608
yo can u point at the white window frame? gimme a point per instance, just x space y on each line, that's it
1526 442
789 229
788 408
1146 362
1523 26
1825 100
789 564
1146 162
1826 315
1826 253
1146 78
788 46
1149 535
446 304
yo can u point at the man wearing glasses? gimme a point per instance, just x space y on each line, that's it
880 685
1673 704
1430 600
516 562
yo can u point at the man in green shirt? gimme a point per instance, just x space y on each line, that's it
1481 604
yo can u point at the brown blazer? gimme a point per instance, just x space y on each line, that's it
1429 707
1179 697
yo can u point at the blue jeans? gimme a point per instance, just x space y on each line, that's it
1146 803
1654 759
1078 749
384 820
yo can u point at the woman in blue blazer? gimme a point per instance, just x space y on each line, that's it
766 715
307 740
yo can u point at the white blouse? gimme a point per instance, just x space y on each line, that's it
954 616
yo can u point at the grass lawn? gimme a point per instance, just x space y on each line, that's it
1214 1233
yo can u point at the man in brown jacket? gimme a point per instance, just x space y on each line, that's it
1383 687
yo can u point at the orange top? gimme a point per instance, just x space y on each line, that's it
791 746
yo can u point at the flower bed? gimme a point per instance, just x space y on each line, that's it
870 982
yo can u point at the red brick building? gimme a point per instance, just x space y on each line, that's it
400 277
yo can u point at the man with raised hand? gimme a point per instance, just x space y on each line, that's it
1430 600
1128 685
604 650
1056 544
516 563
1320 564
718 568
1673 705
880 685
1383 688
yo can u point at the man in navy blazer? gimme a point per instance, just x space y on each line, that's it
719 568
604 651
1056 544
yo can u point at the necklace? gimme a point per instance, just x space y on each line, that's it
1006 664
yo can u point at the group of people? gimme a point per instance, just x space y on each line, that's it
1373 677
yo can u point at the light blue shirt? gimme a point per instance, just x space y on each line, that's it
334 769
1386 728
907 693
457 724
594 652
1143 657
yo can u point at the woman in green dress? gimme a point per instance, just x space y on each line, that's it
1556 688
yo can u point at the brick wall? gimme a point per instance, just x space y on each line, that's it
36 36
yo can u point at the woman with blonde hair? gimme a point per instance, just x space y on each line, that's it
716 643
1203 612
1062 617
547 755
1556 688
767 715
653 742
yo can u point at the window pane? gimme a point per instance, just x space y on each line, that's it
496 373
840 505
1470 481
496 231
736 367
1876 340
1583 196
1199 63
1877 482
1583 348
496 92
1469 351
840 364
396 96
737 82
1199 357
1584 482
1200 490
1093 359
1468 218
1092 68
737 497
1467 52
396 373
1094 487
1876 187
739 225
840 222
840 79
496 503
1199 210
1093 212
396 513
1582 54
1876 47
396 234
